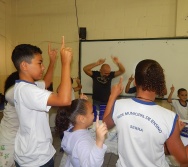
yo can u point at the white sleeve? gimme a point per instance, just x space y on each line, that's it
173 103
34 98
40 84
9 96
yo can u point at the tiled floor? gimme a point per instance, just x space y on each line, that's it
109 159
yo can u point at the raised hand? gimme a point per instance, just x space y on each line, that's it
181 124
131 78
101 131
172 88
77 80
83 96
118 88
115 59
66 53
100 61
52 53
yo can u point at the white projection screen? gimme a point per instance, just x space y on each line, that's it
171 53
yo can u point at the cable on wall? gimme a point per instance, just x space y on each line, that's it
76 16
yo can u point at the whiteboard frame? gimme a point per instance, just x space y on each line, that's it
159 41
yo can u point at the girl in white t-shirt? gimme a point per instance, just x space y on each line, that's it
77 142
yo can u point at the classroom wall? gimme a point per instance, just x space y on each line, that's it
2 43
40 22
182 18
6 45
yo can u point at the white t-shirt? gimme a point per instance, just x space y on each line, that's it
142 128
33 143
9 123
182 111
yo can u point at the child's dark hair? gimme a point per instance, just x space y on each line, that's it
181 90
149 75
10 81
24 52
67 114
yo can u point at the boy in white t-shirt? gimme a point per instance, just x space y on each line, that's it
180 105
33 143
143 127
10 123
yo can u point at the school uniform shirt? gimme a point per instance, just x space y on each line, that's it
9 123
81 149
142 128
33 143
181 110
8 129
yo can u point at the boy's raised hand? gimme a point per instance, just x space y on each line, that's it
118 88
131 78
52 53
101 131
172 88
66 53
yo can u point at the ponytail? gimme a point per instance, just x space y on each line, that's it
67 114
62 121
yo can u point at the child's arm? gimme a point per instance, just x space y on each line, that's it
181 126
63 97
169 100
49 73
79 86
101 131
175 146
128 84
116 90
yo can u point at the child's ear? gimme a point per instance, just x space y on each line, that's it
23 66
81 119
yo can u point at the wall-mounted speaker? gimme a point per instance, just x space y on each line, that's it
82 33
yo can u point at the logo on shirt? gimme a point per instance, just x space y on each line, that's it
102 79
144 117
